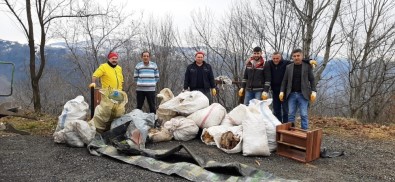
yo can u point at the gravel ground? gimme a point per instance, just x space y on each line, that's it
36 158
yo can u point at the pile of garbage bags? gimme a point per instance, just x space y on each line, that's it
72 127
247 129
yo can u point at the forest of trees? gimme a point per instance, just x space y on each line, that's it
357 37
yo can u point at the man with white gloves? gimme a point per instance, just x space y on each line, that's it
256 79
298 87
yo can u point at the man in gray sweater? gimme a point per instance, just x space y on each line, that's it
299 87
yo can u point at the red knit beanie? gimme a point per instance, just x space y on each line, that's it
112 54
199 52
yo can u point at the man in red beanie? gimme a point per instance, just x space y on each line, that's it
113 99
110 73
199 76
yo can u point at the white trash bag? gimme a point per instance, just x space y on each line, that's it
227 121
209 116
159 134
255 141
230 140
165 114
182 128
270 120
209 134
237 114
75 109
186 102
76 133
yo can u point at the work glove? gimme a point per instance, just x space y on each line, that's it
264 95
92 85
214 92
313 63
281 96
313 96
241 92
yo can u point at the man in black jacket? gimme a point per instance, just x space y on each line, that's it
256 79
299 87
199 76
277 69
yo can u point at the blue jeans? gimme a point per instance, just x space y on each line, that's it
249 95
295 101
280 109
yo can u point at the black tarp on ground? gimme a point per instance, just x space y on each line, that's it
178 160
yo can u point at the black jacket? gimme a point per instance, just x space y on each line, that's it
257 78
278 71
307 80
191 77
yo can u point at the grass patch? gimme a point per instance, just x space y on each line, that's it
349 127
44 125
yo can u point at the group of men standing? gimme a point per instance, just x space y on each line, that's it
292 83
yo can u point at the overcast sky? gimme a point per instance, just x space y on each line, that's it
179 9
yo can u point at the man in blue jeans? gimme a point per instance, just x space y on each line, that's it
256 79
277 69
300 87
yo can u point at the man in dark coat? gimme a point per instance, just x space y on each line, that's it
199 76
277 69
299 87
256 79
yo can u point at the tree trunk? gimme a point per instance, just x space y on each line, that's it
32 64
329 40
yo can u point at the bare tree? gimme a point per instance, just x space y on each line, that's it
90 39
370 31
275 22
312 15
228 46
46 12
160 39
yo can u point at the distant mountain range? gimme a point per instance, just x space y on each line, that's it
18 54
56 58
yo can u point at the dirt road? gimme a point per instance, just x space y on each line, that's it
37 158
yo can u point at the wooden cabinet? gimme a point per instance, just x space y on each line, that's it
298 144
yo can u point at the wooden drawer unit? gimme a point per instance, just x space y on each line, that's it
298 144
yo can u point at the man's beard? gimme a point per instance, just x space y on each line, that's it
112 64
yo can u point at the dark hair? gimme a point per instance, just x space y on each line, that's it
257 49
145 52
297 51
